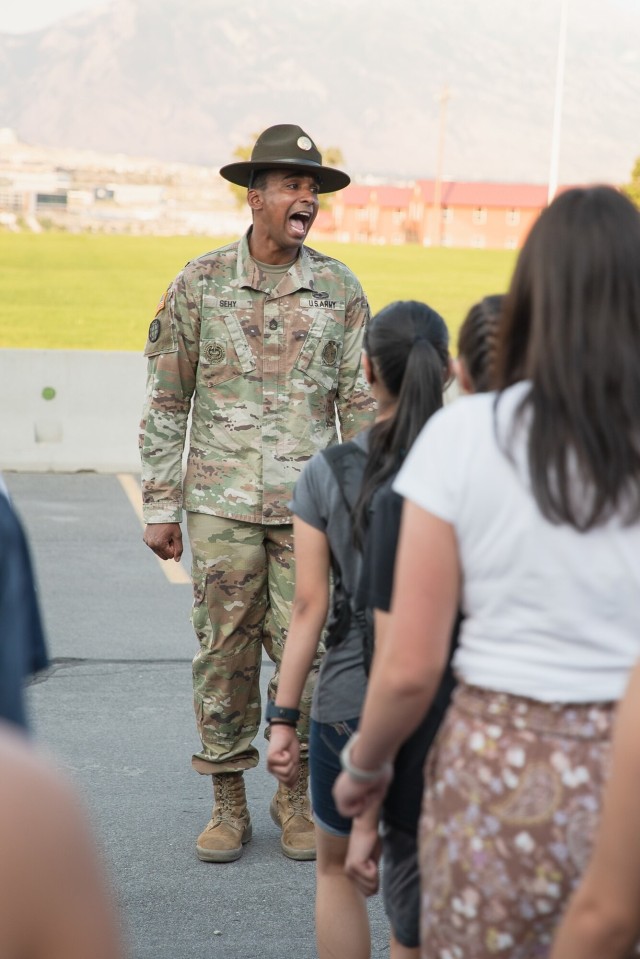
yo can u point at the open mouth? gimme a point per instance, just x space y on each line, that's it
300 223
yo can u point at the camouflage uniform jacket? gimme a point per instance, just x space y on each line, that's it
267 370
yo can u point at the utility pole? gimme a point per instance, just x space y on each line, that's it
443 97
557 107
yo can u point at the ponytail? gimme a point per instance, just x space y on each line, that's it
408 344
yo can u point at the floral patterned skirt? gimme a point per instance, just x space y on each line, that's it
508 820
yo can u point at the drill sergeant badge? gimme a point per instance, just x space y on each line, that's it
215 352
330 353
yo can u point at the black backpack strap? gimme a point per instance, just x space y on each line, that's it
346 461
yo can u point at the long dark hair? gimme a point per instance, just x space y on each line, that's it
477 341
571 326
408 345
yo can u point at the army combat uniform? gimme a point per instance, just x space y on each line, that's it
264 370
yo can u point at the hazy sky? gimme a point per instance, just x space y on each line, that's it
34 14
25 15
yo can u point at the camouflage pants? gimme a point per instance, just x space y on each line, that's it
243 583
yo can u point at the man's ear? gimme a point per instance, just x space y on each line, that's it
254 198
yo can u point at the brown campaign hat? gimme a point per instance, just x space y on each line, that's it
286 147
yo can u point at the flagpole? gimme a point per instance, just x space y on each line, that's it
557 108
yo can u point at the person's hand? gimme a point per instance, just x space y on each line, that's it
363 856
165 539
353 798
283 755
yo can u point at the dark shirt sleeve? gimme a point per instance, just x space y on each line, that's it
22 644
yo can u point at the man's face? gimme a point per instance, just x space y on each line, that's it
286 208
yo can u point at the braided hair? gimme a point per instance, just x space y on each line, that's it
477 341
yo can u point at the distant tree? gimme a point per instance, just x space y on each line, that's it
632 189
332 156
242 152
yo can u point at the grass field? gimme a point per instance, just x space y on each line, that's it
64 291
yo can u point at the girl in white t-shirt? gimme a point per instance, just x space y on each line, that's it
525 505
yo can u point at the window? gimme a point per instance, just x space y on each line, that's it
479 215
447 214
511 243
478 241
513 217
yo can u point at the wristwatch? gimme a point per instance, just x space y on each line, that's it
281 714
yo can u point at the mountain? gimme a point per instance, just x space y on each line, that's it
189 80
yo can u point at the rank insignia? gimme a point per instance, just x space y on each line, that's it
215 353
154 330
330 353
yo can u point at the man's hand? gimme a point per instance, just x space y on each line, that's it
363 855
283 755
165 539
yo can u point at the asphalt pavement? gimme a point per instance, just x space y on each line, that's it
115 712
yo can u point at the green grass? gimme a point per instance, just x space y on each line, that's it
63 291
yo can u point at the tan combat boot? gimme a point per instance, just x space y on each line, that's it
230 826
291 810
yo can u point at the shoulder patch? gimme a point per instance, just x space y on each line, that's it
161 337
154 330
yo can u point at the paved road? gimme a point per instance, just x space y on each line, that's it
115 711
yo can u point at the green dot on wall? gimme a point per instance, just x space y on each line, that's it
48 393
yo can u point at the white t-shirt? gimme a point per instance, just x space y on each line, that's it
551 613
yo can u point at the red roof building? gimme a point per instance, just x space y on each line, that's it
491 215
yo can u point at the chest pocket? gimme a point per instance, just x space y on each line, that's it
321 353
224 351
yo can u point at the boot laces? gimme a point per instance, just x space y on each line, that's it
228 791
298 795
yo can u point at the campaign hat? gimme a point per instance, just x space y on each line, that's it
286 147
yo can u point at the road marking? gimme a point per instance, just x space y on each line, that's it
175 572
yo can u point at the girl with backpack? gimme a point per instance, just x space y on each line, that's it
406 361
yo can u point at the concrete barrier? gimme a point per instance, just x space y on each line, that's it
66 411
70 410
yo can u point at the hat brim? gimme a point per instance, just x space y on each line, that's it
330 180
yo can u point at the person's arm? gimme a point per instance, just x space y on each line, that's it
309 612
355 403
408 667
173 352
76 914
55 902
603 916
363 853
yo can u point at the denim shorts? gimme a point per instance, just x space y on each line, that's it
326 741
